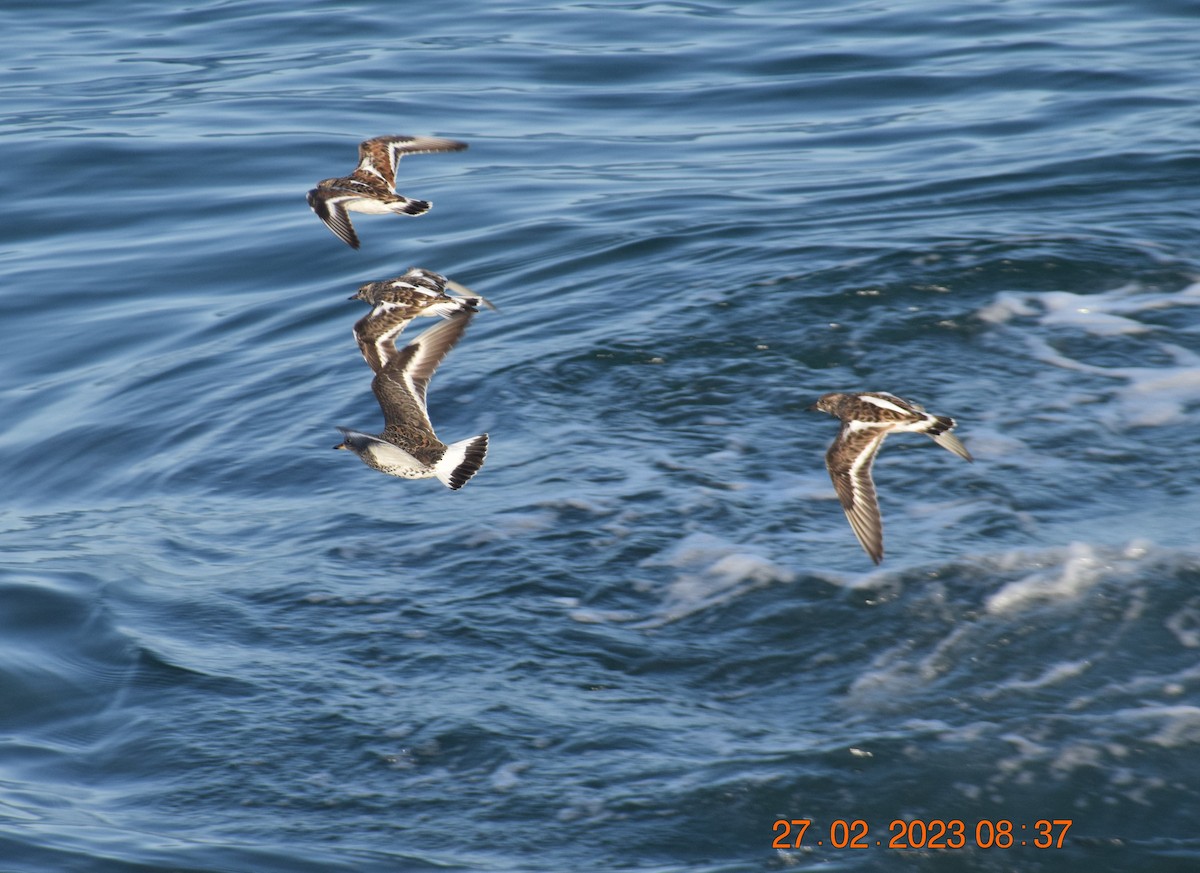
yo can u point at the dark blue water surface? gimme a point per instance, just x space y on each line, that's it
644 633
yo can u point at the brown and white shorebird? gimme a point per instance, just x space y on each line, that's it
371 188
867 418
396 302
408 446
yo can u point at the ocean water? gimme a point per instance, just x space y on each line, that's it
643 637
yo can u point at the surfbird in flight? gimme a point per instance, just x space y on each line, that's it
408 446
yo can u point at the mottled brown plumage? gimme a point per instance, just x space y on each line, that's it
867 418
371 188
396 302
408 446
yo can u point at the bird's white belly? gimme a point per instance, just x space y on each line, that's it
396 462
369 206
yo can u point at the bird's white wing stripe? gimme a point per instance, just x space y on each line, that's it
854 425
884 403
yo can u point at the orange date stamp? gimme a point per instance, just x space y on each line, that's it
1001 833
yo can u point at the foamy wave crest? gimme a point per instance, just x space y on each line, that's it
704 571
1151 395
1081 569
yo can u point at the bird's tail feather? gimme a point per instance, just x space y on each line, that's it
464 291
407 206
461 461
943 437
452 306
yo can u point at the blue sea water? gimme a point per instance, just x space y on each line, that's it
643 635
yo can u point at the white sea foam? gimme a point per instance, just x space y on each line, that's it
1059 578
1103 314
1185 624
1075 310
507 776
1079 570
513 524
1151 395
1052 675
1169 726
709 571
704 571
1082 569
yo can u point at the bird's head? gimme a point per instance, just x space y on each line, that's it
366 292
352 441
828 403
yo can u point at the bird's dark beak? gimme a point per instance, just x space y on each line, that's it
814 408
341 446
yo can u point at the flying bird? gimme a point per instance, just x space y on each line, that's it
396 302
867 418
371 188
408 446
